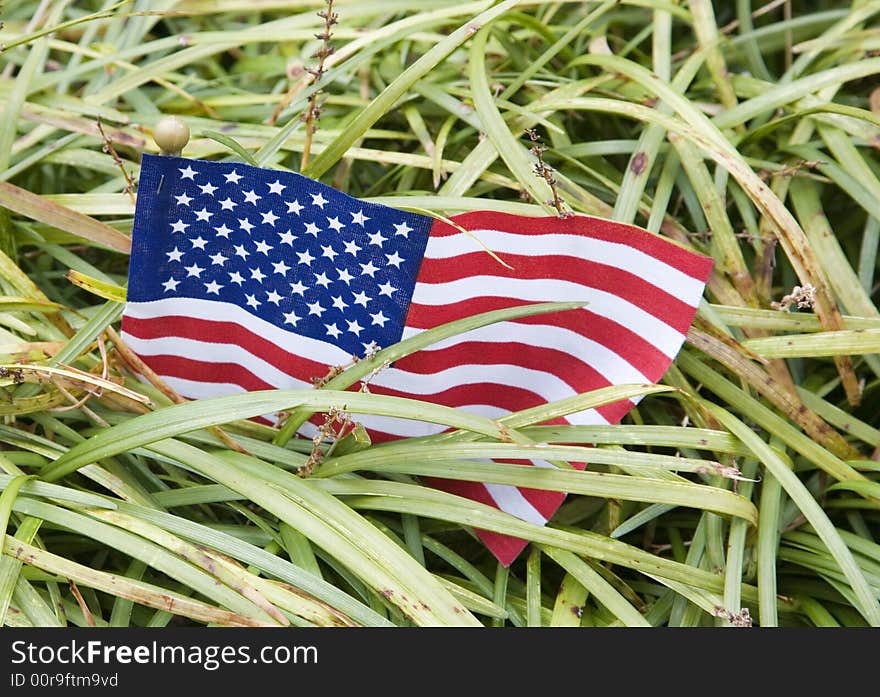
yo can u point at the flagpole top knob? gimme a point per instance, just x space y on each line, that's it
171 135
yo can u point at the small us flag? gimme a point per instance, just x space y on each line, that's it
243 278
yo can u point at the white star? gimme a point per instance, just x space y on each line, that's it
222 231
376 238
328 252
286 238
269 218
183 199
291 318
263 248
208 189
361 299
298 288
359 218
354 327
386 289
339 303
232 177
194 270
188 173
252 301
203 215
179 226
379 319
352 247
280 267
257 275
170 284
274 297
322 280
315 308
319 200
276 187
245 225
335 224
218 259
227 204
345 276
213 287
305 258
402 229
369 269
199 242
294 206
394 259
312 229
235 277
251 197
333 330
174 255
240 251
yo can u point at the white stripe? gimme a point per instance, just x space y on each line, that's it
510 500
648 268
215 310
215 353
606 362
544 464
546 385
599 302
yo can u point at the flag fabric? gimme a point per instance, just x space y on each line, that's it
244 278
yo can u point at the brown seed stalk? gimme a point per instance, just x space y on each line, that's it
110 150
336 423
313 111
545 172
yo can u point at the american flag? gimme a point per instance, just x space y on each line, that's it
244 278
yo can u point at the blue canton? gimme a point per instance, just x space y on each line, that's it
288 249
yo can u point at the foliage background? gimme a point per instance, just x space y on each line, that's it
741 491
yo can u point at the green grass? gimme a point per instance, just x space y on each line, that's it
744 488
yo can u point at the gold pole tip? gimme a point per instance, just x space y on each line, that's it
171 135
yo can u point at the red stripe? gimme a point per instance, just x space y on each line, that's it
507 397
667 251
577 375
588 274
217 332
632 347
173 366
